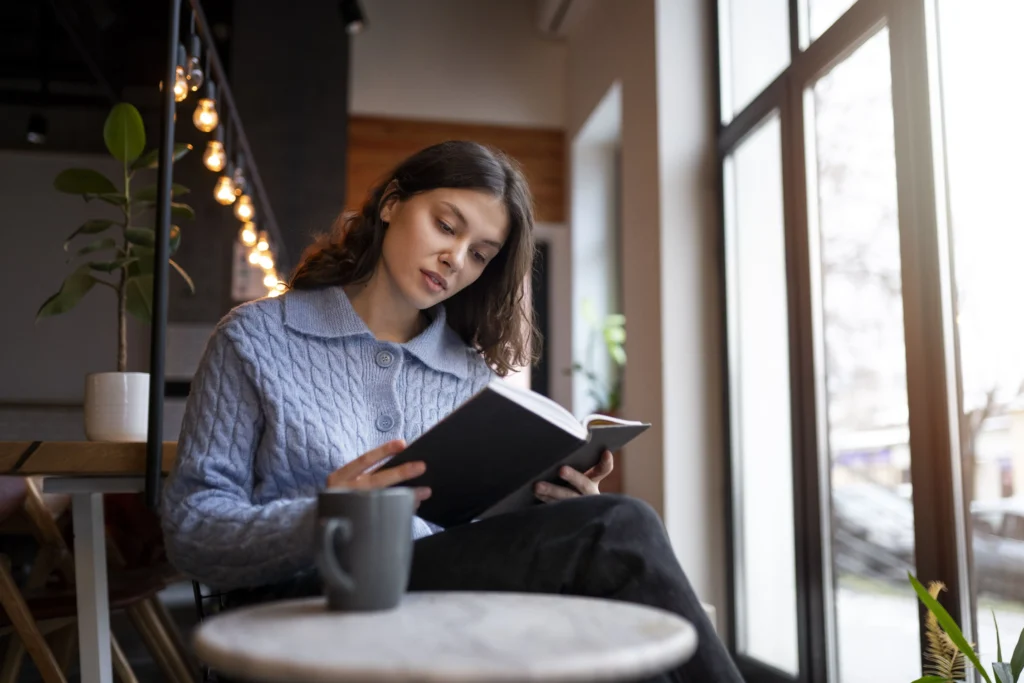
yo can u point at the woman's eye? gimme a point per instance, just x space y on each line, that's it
479 257
447 228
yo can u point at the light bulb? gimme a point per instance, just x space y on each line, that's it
254 257
180 84
280 286
244 208
239 180
214 157
205 116
247 235
274 292
266 261
270 280
224 192
262 243
193 71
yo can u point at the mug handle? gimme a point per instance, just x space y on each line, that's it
331 563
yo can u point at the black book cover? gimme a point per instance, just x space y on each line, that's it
486 452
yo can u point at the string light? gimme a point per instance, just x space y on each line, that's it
224 191
254 257
193 72
266 261
280 286
262 243
214 157
274 292
270 280
247 235
244 208
205 116
180 79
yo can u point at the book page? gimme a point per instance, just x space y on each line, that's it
541 406
598 420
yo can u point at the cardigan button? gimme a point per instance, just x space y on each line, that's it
385 359
385 423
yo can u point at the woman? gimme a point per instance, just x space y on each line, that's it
390 323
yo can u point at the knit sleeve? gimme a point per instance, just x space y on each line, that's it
213 530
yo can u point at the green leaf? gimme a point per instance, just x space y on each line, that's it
146 237
71 292
1017 660
1003 672
148 194
151 159
83 181
111 266
618 355
615 320
615 335
144 265
948 625
110 198
931 679
92 227
999 645
182 212
140 297
184 275
124 133
97 245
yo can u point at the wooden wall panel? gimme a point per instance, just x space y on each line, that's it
376 145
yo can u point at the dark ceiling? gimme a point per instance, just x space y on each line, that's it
86 52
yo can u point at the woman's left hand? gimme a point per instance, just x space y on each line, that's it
582 483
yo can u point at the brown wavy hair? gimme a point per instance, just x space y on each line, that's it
490 315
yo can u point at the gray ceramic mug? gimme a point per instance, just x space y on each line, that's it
364 547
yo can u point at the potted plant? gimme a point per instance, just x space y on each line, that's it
609 335
120 258
947 649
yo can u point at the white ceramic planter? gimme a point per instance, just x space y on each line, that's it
117 406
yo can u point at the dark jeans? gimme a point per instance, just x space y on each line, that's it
605 546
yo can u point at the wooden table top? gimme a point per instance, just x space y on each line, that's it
99 458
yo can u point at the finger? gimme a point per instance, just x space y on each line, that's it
421 493
396 475
579 481
551 492
603 468
371 458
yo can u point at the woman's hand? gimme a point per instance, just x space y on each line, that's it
361 473
583 483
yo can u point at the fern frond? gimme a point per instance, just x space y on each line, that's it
944 658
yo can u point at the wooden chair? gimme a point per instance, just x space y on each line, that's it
52 605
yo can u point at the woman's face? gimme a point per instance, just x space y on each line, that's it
439 242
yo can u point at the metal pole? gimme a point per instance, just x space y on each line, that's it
158 333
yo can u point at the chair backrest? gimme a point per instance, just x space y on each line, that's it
12 496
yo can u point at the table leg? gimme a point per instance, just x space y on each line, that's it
91 587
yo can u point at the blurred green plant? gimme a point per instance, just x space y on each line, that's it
126 260
608 335
947 648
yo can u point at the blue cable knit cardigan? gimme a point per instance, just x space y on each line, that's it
289 389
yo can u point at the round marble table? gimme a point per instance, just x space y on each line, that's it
451 637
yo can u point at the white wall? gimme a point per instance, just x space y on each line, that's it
660 52
477 61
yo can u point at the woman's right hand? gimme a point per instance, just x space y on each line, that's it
361 473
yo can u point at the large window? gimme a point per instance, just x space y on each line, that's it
873 237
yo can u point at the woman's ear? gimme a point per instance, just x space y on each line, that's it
388 201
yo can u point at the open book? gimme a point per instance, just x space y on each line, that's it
485 457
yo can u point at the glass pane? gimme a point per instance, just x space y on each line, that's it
760 411
853 183
981 54
754 44
821 14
